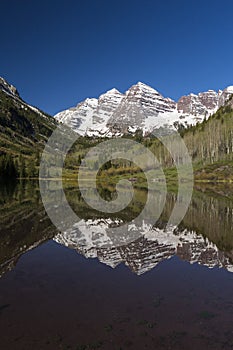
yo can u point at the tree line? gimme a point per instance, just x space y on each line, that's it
13 168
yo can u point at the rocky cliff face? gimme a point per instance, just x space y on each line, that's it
204 103
136 108
199 105
140 107
7 88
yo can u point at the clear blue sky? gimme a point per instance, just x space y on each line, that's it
57 53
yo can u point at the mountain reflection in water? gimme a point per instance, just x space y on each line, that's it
52 297
205 235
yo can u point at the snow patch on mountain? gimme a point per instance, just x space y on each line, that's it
140 107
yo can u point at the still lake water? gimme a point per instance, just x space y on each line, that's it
168 289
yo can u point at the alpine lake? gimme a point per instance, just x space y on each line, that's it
167 288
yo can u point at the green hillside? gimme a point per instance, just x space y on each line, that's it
23 134
22 130
210 145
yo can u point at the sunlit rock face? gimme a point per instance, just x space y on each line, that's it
198 105
140 108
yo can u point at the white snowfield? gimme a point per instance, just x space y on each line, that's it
140 107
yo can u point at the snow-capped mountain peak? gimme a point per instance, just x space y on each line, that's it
113 91
229 89
142 86
140 107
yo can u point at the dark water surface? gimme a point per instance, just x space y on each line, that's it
169 289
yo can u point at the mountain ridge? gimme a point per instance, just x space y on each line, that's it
24 129
140 107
